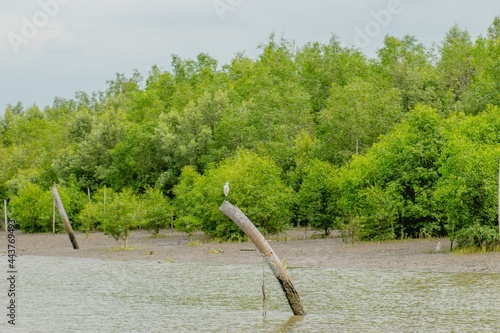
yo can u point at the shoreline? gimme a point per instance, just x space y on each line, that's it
298 250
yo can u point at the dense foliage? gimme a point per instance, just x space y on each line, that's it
403 145
256 188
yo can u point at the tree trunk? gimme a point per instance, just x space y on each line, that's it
64 217
235 214
54 218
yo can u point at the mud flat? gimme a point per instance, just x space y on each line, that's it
297 247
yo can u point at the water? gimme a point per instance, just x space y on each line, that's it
93 295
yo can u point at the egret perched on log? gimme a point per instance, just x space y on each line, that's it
226 190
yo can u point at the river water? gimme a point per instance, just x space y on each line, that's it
58 294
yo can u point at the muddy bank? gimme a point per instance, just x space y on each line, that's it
297 248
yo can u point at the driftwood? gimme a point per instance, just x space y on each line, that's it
235 214
64 217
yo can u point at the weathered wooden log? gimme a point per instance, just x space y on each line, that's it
235 214
64 217
54 218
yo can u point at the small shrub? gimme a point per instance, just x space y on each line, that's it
156 210
188 224
32 208
349 229
479 236
121 216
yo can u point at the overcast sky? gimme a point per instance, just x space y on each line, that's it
54 48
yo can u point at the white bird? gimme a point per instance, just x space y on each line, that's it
438 247
226 189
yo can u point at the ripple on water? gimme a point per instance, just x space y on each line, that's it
93 295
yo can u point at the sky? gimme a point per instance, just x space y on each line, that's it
52 48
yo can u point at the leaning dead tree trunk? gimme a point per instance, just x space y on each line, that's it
499 201
64 217
235 214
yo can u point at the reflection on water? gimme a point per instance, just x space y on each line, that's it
92 295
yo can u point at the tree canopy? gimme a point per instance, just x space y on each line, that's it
402 145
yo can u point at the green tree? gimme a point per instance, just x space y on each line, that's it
117 213
484 88
32 142
318 196
270 106
401 171
187 137
408 65
379 214
32 208
77 199
192 78
90 162
90 216
494 29
355 116
136 161
466 194
160 87
256 188
321 66
185 202
81 126
121 215
93 212
477 236
456 63
156 211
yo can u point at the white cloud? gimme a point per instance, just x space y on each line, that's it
59 46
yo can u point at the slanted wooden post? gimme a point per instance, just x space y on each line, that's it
54 217
64 217
235 214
